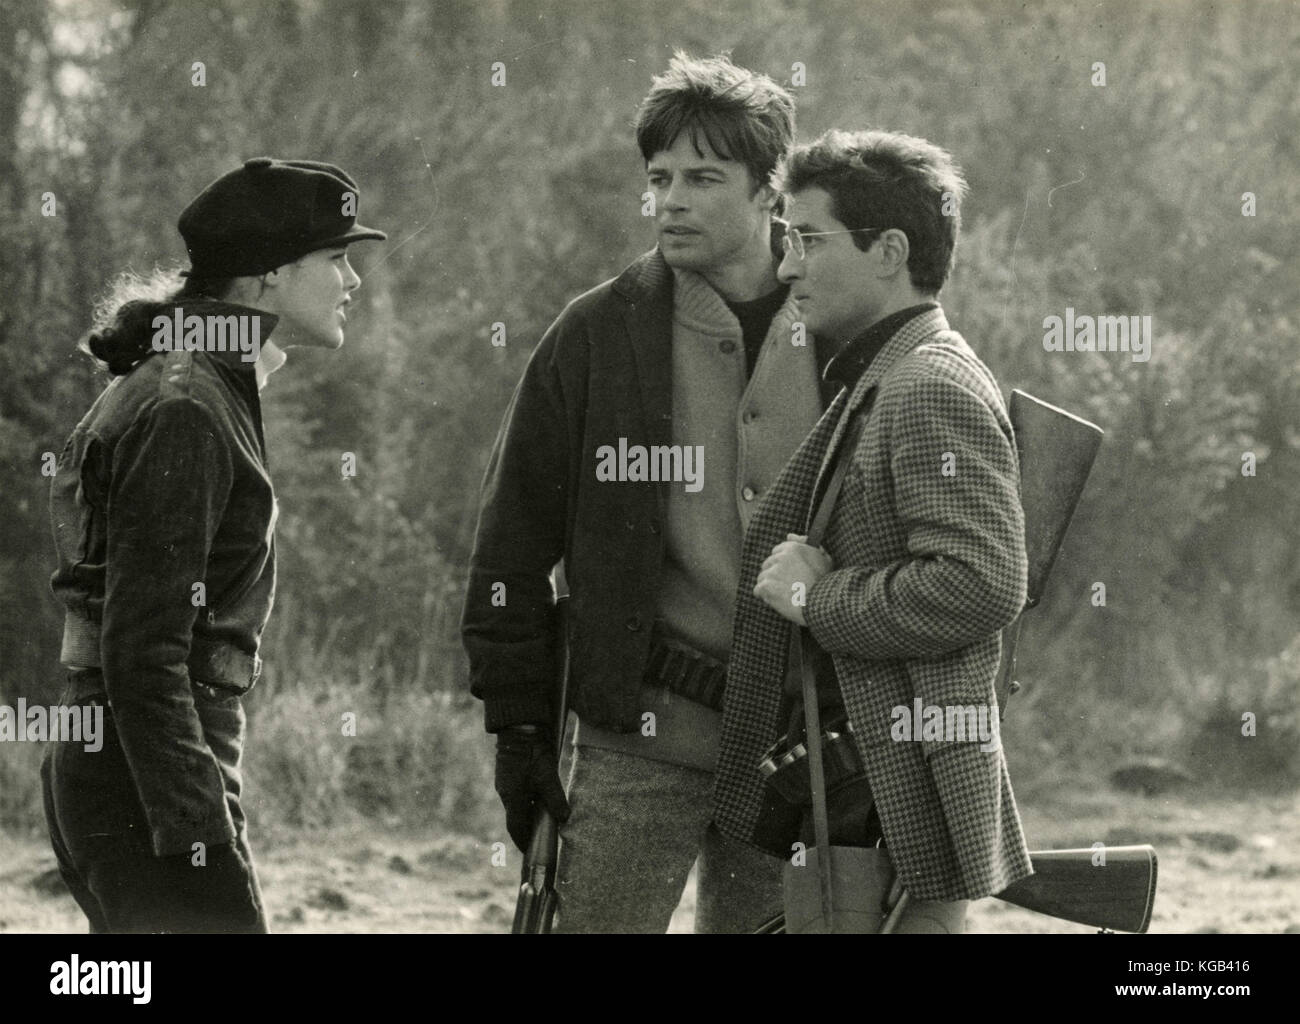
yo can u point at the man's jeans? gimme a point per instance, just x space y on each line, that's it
636 828
101 838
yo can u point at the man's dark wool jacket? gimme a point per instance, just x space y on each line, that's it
603 371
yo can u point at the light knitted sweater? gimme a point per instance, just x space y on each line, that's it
748 431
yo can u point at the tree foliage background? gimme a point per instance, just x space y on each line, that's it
502 203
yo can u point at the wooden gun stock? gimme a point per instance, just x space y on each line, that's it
1056 450
1114 896
1112 888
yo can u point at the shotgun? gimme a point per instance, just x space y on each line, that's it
1112 889
535 907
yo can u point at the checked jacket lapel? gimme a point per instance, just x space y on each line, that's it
912 333
752 700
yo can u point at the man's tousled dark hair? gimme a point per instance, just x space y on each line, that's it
880 179
742 115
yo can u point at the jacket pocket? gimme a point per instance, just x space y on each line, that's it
951 706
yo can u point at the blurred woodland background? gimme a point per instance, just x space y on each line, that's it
504 202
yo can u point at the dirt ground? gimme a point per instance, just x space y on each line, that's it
1226 864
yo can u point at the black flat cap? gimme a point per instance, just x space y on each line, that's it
269 213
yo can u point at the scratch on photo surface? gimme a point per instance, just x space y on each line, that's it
1059 187
432 216
1023 214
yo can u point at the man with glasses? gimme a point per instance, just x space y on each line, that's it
696 347
923 560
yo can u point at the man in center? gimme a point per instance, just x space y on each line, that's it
695 347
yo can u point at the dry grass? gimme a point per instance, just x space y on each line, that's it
392 829
1227 864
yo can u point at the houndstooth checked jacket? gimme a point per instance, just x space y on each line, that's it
928 568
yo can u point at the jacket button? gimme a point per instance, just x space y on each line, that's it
634 623
727 346
749 416
748 493
654 526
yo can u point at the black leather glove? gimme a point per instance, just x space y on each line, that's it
526 772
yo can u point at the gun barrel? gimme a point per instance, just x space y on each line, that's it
526 908
536 905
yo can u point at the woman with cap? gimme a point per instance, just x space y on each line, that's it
164 518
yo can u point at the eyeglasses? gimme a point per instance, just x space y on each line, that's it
792 241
